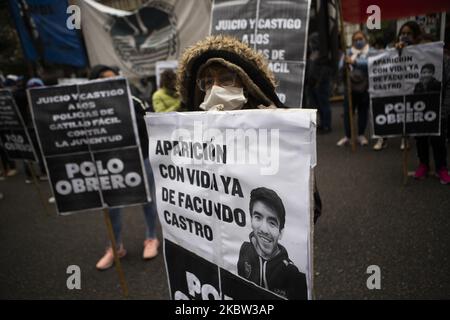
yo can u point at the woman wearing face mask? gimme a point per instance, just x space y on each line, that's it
409 34
222 73
356 61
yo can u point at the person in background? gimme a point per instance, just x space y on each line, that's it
222 73
151 242
166 98
355 60
318 83
9 166
438 143
146 88
22 103
409 34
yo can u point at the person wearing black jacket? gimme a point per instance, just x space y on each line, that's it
264 261
151 242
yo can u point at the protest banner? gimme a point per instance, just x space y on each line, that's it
14 135
405 90
45 33
88 137
135 40
234 198
277 29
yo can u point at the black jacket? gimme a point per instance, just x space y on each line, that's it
433 85
279 274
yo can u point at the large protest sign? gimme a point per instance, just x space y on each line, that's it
88 137
135 40
14 135
278 29
405 90
233 192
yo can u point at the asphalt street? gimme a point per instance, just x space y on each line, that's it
369 218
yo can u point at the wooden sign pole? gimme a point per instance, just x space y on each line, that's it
119 269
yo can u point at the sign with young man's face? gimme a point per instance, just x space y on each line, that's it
405 90
266 228
236 221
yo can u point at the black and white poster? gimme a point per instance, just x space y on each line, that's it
236 221
193 278
278 29
88 137
405 90
14 135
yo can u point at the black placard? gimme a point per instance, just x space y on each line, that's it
277 29
88 138
194 278
14 135
412 115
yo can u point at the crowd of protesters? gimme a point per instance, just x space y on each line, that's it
355 60
245 82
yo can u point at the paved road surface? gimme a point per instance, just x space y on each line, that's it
370 218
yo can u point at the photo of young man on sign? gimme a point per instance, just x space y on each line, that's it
427 82
263 260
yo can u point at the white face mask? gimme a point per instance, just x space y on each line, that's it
223 98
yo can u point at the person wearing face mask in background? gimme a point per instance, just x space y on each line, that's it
408 34
356 60
222 73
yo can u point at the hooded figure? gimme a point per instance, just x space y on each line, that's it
252 74
251 68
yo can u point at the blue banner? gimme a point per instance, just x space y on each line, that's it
57 43
28 47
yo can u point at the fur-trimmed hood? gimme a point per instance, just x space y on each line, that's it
259 81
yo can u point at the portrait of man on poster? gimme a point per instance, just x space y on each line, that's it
427 81
262 260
